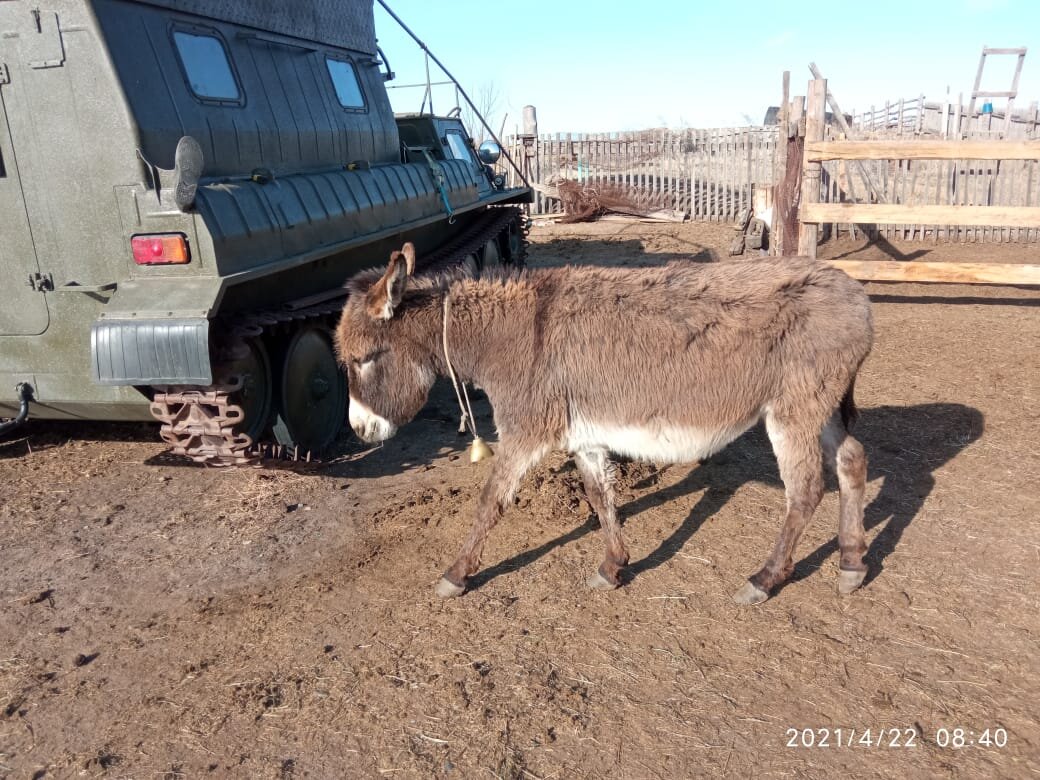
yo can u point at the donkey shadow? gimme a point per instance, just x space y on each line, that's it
904 445
431 436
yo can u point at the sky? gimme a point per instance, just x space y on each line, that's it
610 66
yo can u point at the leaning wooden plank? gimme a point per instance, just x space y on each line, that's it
818 151
887 214
661 216
953 273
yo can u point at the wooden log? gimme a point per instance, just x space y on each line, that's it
818 151
888 214
950 273
814 124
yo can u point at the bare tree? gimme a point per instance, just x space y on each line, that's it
488 99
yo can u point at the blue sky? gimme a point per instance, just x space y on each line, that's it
603 66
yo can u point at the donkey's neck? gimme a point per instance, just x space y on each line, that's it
477 326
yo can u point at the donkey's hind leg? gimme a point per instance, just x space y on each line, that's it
796 444
845 456
598 474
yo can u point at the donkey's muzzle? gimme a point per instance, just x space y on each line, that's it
370 427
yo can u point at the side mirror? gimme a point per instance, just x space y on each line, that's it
489 152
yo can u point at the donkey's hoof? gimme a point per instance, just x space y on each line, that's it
849 580
447 589
598 582
750 594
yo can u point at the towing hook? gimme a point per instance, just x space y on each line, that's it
25 395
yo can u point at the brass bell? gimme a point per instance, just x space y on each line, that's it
479 450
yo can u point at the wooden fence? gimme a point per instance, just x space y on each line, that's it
1011 219
936 183
708 175
714 174
949 119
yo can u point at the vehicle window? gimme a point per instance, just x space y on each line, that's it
207 66
345 80
459 147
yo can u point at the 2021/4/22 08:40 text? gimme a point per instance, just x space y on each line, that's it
891 737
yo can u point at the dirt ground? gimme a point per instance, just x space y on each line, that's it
163 620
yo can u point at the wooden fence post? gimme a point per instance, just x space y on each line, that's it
789 192
776 230
530 127
815 108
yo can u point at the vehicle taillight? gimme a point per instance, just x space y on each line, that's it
164 249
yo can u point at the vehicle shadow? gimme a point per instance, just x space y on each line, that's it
905 446
38 435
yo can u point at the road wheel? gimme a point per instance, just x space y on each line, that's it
491 256
256 397
514 243
313 402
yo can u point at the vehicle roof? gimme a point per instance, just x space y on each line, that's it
349 24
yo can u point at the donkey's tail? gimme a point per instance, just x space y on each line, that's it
849 412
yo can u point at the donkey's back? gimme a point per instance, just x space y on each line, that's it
672 363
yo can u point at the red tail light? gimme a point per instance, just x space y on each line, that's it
161 249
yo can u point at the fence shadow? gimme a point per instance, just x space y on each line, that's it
905 446
971 300
625 253
884 245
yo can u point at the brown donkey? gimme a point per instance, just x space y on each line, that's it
666 364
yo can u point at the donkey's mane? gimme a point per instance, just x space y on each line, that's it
423 284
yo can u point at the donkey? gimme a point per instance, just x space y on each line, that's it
667 364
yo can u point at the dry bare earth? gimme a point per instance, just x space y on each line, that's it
170 621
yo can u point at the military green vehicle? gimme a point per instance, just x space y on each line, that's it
185 185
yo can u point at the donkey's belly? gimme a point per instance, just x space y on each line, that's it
659 442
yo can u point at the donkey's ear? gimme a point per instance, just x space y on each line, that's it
385 295
408 250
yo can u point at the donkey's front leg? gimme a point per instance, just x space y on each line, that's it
510 465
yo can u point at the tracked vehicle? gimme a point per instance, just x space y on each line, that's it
185 185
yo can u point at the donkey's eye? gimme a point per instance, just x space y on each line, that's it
369 358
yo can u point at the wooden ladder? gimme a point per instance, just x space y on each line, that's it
1010 94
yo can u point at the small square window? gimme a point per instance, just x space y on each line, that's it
459 147
207 67
345 80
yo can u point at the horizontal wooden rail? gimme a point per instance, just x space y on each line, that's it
951 273
818 151
888 214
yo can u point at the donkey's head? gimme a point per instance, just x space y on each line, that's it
390 374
